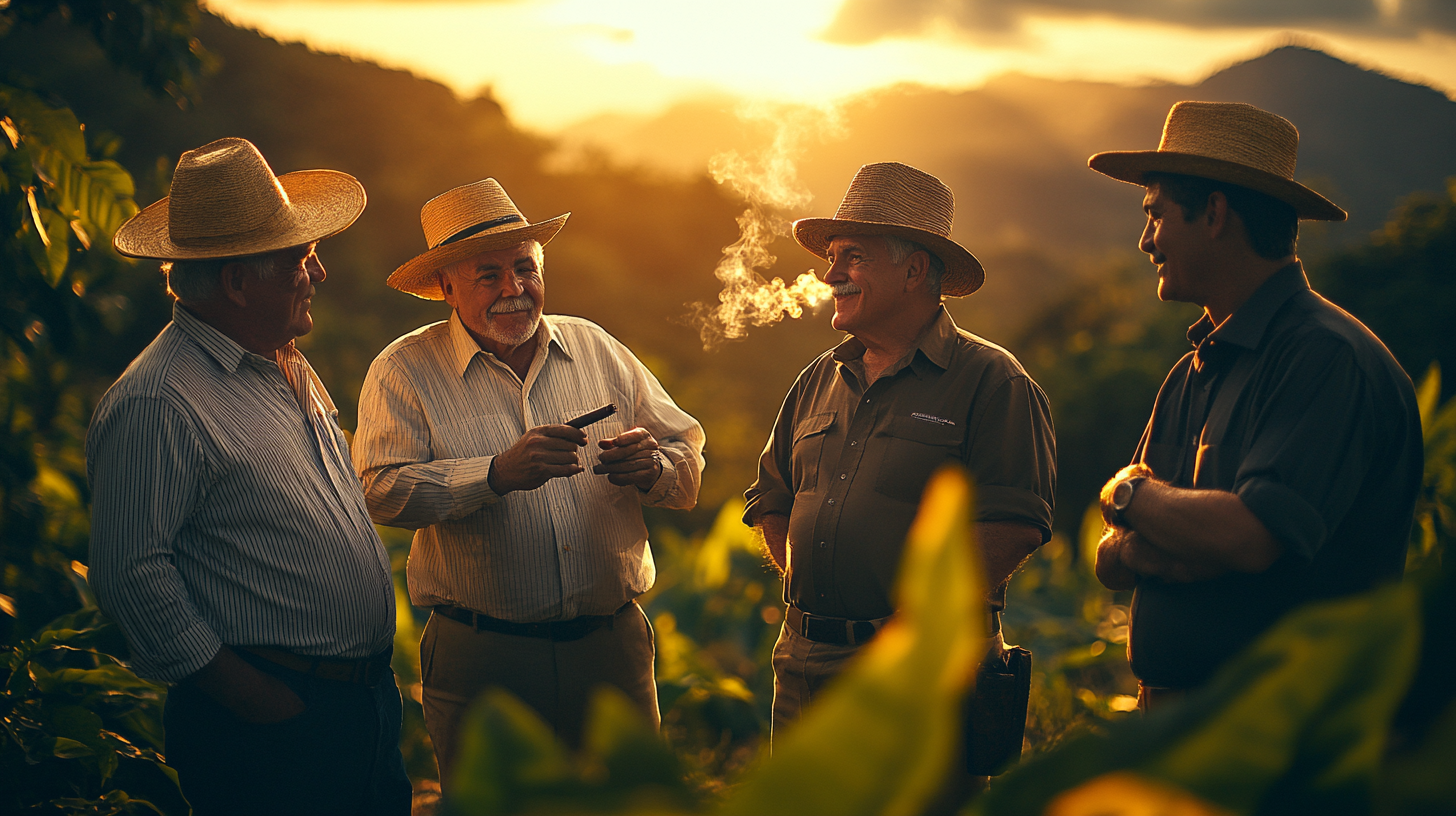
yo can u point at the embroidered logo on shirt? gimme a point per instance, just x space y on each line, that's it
931 418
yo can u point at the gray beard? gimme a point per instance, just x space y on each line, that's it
509 337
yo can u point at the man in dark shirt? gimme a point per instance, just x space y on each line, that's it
870 420
1283 455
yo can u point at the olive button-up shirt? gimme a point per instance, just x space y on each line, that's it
847 462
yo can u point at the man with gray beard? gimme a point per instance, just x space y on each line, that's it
530 563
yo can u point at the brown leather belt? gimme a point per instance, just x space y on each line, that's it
365 672
566 630
849 632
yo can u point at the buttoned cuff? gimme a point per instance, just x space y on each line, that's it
666 481
186 654
469 485
1285 513
1001 503
765 503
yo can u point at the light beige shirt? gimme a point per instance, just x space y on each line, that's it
436 409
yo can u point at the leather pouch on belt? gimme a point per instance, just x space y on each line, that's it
995 715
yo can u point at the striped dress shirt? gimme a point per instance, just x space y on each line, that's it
224 513
435 410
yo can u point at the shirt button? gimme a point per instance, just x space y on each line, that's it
566 548
852 444
823 544
831 501
844 476
867 400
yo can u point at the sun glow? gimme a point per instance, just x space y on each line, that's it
554 63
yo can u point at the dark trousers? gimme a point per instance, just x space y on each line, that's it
340 756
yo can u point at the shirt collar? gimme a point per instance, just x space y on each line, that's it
935 346
219 346
1246 326
465 348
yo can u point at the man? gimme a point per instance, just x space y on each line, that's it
530 563
229 537
1283 455
870 420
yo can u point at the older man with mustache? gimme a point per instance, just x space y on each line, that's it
530 563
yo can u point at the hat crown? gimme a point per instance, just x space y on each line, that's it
482 204
1233 132
895 193
224 188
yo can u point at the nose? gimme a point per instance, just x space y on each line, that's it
315 267
1145 243
512 286
835 272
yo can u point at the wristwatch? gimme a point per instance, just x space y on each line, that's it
1121 499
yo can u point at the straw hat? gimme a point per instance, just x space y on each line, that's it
890 198
1225 141
225 202
463 223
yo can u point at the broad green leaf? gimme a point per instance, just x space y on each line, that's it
97 193
711 565
1419 780
1298 720
1428 395
623 746
40 124
504 748
70 749
50 250
110 679
881 739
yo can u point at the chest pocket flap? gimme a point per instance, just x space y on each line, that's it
810 425
915 448
808 449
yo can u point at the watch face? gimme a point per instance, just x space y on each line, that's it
1122 494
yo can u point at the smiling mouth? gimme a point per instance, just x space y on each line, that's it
845 290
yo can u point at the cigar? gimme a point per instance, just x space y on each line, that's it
593 416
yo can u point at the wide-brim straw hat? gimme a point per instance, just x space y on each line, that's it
462 223
225 202
890 198
1230 142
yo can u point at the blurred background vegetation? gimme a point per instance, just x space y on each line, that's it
98 99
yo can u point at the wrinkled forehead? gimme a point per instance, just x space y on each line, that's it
507 258
864 243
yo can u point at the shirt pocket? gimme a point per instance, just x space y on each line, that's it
809 435
914 449
483 435
1216 468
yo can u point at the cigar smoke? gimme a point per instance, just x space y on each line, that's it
768 181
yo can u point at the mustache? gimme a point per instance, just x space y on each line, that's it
519 303
842 289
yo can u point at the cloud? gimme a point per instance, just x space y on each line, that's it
863 21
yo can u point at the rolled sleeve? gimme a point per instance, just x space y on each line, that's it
1310 447
147 471
391 452
1012 455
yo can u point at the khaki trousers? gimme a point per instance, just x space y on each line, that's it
555 678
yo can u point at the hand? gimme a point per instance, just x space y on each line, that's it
1135 469
1144 558
630 458
251 695
542 454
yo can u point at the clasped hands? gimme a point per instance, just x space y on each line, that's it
1124 554
547 452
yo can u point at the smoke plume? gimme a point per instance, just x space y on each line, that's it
768 181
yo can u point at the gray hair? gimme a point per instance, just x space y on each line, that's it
463 265
901 248
196 281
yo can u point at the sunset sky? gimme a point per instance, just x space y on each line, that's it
553 63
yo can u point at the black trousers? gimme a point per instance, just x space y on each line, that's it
340 756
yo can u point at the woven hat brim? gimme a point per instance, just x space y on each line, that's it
963 273
417 275
1131 165
325 203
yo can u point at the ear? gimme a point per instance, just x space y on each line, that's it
1217 215
234 279
447 286
917 266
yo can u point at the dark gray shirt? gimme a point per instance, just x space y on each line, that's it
847 463
1323 444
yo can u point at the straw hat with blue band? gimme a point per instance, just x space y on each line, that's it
225 202
1230 142
462 223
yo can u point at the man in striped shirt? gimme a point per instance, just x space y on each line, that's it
229 536
530 554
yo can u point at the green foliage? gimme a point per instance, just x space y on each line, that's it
1435 521
879 741
152 38
81 732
